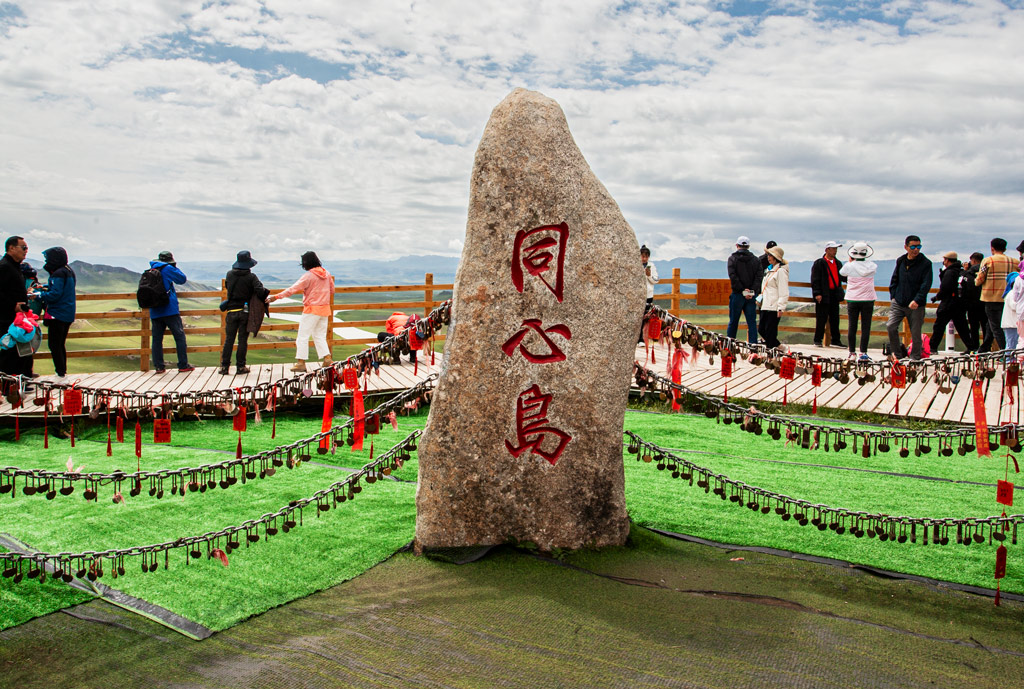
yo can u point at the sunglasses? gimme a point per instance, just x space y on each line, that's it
913 246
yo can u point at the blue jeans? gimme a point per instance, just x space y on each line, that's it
172 323
739 304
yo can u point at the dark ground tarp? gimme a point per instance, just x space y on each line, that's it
659 613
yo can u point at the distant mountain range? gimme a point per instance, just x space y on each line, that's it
408 270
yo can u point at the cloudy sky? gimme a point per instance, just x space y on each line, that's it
350 127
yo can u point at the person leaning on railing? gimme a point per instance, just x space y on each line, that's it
774 296
317 287
860 296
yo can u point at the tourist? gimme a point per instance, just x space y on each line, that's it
970 293
13 299
908 289
1009 318
992 279
393 326
774 296
1020 257
951 306
827 290
763 258
168 316
317 287
745 275
650 273
860 296
58 296
244 291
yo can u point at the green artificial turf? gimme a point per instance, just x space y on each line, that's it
23 601
345 542
326 550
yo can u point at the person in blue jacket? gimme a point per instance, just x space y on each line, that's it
168 317
58 296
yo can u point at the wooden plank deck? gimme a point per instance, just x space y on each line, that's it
392 378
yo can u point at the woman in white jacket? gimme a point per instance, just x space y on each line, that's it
860 296
774 296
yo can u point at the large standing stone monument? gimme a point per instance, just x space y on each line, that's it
524 438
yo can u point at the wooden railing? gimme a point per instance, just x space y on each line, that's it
144 331
676 298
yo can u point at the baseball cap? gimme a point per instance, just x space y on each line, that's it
743 241
951 255
833 245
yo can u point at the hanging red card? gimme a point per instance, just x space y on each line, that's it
980 420
1000 562
726 367
787 368
654 328
899 376
816 375
415 342
1004 493
162 431
239 419
1012 375
73 402
350 377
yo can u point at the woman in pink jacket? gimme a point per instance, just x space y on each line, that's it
317 286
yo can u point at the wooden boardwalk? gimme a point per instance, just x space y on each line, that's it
921 399
392 377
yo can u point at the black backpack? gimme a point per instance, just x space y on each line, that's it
152 293
965 287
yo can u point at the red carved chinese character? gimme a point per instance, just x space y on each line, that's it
555 354
536 257
531 431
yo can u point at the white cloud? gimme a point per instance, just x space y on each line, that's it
351 129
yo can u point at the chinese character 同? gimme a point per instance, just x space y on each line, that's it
536 257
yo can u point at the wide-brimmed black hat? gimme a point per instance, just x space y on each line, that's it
245 260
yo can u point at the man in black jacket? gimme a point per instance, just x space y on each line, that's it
951 306
13 297
970 293
242 287
908 290
745 275
827 290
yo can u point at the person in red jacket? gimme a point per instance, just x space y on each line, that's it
395 325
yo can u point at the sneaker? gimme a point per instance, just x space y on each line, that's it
242 369
864 357
818 344
223 370
186 368
59 378
852 356
159 371
838 343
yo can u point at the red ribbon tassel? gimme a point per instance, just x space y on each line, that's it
46 418
238 448
814 407
725 397
273 407
371 449
897 409
138 440
120 429
359 419
785 389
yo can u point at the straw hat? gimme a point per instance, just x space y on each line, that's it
778 253
861 250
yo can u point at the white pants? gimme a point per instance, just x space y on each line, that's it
316 326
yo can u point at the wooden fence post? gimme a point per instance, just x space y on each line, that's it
330 328
144 336
428 293
674 301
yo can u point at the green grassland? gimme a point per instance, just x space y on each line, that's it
344 542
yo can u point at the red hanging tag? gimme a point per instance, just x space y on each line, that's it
328 417
1000 562
120 428
73 402
161 431
654 328
349 376
239 420
1012 375
138 440
358 416
726 367
816 376
787 368
1004 493
898 376
980 422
